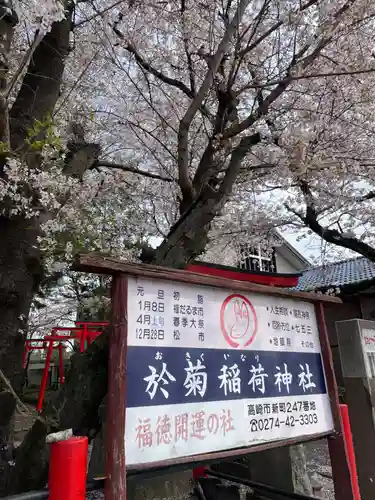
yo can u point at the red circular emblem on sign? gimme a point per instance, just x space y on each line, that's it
238 321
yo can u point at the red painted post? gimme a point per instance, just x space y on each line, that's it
67 469
350 450
43 384
336 444
115 485
83 338
199 472
61 364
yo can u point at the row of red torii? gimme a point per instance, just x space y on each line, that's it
85 332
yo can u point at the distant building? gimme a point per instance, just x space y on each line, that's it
282 258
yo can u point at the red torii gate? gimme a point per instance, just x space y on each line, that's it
84 331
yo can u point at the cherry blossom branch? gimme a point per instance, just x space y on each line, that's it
237 156
158 74
272 29
154 137
368 196
187 52
313 75
147 147
310 219
298 61
263 108
239 55
98 13
127 168
183 132
76 83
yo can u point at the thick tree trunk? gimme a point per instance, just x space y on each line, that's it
40 88
20 259
301 478
188 238
19 278
8 19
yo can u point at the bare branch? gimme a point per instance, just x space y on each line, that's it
127 168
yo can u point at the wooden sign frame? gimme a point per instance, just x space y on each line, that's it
115 452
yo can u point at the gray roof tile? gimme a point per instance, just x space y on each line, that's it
337 274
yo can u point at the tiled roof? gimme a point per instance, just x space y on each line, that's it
337 274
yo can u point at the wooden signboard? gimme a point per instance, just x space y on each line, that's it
203 368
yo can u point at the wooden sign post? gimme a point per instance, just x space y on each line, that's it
205 368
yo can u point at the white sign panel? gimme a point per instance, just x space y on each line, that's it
368 342
210 370
368 336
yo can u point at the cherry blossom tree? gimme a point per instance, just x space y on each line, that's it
123 120
328 186
323 149
43 158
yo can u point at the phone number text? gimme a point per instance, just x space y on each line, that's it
270 423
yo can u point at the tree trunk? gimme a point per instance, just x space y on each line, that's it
20 259
188 238
41 85
8 19
20 275
19 278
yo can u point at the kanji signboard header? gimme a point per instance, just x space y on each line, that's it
210 370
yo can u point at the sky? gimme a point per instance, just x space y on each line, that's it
317 251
